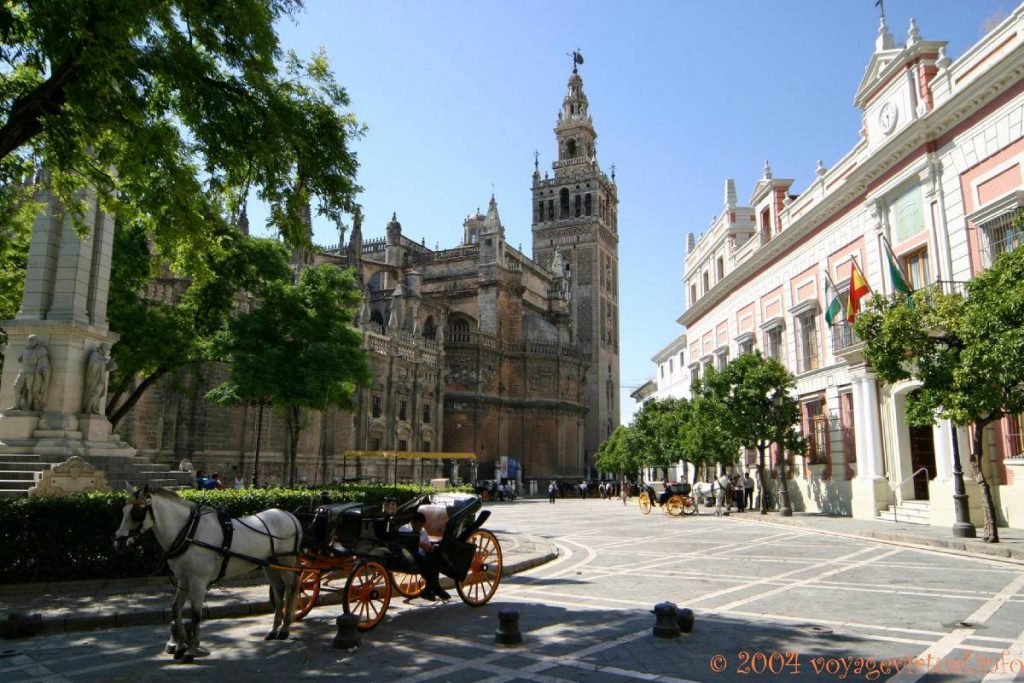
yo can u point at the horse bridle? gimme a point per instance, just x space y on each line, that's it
140 508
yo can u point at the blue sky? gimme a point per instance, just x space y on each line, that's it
684 94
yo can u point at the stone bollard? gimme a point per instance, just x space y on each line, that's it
348 635
665 625
508 627
684 618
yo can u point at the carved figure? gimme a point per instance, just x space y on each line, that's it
33 381
97 370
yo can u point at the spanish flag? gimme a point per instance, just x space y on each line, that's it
858 290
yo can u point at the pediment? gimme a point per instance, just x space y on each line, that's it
873 73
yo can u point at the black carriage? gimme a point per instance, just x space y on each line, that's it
365 551
674 498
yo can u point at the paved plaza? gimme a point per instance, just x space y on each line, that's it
772 602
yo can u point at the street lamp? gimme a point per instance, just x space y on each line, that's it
784 509
962 527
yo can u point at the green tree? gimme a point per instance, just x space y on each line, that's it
967 352
706 431
297 350
15 233
163 338
615 455
174 110
654 434
758 406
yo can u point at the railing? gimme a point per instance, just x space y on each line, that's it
843 337
894 487
510 345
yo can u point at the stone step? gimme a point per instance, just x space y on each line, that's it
922 505
19 475
14 484
24 466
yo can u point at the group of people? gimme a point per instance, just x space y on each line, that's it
213 482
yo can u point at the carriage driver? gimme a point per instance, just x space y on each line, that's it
426 560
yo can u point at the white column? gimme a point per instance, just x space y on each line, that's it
873 427
859 429
943 452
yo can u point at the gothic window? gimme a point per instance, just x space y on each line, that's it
587 205
551 209
563 199
472 236
540 211
402 412
429 328
460 330
377 317
374 283
376 405
579 205
571 145
426 414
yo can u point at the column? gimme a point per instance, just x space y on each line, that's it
872 424
943 452
859 430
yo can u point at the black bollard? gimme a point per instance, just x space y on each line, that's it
508 627
684 618
665 625
348 635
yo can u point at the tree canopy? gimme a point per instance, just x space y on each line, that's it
174 111
966 350
297 350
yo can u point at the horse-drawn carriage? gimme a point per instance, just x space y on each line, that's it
675 499
366 552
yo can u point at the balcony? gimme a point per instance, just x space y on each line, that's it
844 339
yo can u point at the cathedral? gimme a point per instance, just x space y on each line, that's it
478 348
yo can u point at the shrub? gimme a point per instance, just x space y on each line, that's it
63 538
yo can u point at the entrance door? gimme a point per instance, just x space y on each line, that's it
922 454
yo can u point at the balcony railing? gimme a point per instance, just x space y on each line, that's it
843 337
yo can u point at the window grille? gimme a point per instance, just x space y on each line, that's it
1003 234
809 357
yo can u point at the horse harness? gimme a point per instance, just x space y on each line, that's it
186 537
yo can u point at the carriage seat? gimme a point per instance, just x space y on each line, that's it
437 518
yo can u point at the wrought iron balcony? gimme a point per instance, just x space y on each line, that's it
843 337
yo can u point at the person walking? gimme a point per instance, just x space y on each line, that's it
552 491
748 490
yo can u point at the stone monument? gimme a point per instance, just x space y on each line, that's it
57 356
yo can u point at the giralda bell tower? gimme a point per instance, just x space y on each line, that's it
576 212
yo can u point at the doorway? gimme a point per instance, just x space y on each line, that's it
922 454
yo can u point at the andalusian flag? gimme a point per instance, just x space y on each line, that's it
858 290
899 281
833 306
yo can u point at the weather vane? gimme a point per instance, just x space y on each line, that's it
577 58
880 4
536 158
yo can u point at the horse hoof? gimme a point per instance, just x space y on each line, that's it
282 634
188 658
169 649
271 636
179 653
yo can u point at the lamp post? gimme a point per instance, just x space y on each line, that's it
784 509
962 527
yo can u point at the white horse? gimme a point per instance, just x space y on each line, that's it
719 488
200 550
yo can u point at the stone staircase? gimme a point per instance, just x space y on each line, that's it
18 472
907 512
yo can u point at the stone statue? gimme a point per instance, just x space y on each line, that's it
33 381
97 369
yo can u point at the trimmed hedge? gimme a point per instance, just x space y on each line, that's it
65 538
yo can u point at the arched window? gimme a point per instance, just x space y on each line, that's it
377 317
459 330
563 198
587 209
429 328
374 283
570 149
540 211
551 209
579 205
472 236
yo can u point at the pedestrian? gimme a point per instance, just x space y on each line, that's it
426 560
239 480
214 482
552 490
501 491
738 496
748 490
200 479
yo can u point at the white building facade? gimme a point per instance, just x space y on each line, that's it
938 174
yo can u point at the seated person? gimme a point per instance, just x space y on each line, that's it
426 560
213 482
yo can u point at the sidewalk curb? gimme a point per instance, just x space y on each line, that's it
86 621
994 553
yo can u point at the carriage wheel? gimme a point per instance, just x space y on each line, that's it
484 571
674 505
367 593
408 585
689 506
645 503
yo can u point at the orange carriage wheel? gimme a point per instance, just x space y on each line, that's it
674 505
484 570
367 593
305 598
645 503
408 585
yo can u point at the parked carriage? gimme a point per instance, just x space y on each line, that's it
675 499
363 552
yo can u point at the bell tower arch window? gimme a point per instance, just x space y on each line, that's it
570 146
563 199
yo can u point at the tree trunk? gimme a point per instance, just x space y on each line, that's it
133 398
991 534
760 478
293 425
